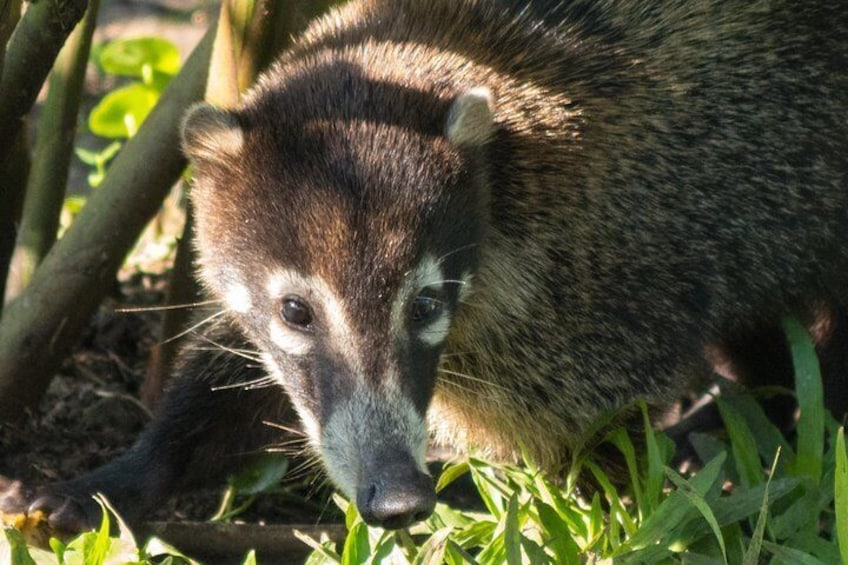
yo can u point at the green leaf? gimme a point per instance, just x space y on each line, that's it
617 511
444 515
810 541
475 535
450 473
512 532
745 502
156 547
433 550
86 156
673 512
707 446
622 441
752 555
491 490
493 552
801 515
841 488
129 57
767 437
357 546
350 511
388 547
121 112
18 549
534 552
696 499
742 444
557 535
250 558
808 387
322 552
656 475
98 544
59 549
791 556
107 153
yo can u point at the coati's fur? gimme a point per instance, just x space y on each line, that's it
605 189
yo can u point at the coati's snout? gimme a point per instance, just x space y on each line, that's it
373 447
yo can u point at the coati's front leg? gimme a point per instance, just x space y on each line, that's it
211 419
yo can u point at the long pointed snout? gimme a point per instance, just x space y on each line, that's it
373 447
395 494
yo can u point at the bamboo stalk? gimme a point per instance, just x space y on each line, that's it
32 49
38 327
14 162
45 190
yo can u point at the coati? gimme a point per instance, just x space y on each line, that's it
496 221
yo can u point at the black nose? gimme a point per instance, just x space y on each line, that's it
396 497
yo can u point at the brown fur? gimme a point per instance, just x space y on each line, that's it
662 176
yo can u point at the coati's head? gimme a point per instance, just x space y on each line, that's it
338 218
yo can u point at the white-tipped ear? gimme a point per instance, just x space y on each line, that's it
471 119
211 134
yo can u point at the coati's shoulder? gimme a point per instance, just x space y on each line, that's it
543 42
589 47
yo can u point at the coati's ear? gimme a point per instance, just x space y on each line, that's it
211 134
471 119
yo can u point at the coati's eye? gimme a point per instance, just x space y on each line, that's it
295 311
425 308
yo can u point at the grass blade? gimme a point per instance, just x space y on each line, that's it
512 532
841 488
808 387
696 499
742 444
752 555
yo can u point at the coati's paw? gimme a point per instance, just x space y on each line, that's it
13 497
42 513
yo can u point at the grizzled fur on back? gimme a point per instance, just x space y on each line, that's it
662 176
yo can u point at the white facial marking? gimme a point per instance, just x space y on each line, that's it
436 331
289 340
237 298
327 308
427 275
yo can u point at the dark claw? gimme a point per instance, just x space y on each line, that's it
66 515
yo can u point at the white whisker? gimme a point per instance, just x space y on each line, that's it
472 379
199 324
441 259
246 385
134 309
443 281
249 354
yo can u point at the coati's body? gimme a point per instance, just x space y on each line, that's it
562 208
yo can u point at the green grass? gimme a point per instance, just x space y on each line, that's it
758 498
